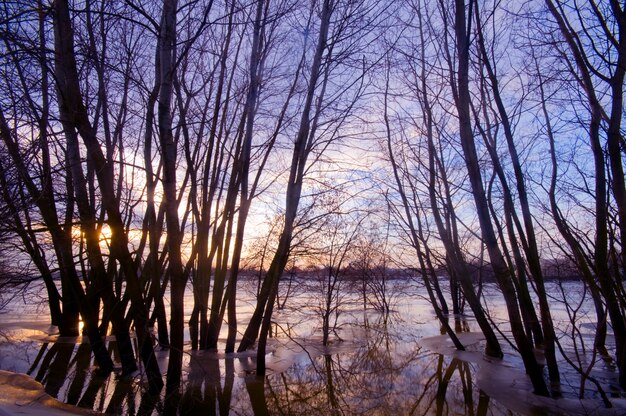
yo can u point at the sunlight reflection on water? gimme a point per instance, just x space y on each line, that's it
374 364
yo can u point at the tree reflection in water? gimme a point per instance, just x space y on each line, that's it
381 377
66 370
380 373
204 393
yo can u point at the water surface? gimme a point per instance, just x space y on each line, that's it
376 363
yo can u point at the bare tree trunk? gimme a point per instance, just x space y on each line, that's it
448 235
471 160
67 78
607 284
169 155
100 286
214 174
72 291
267 296
53 294
529 240
416 233
244 163
16 200
615 144
574 245
24 230
151 225
74 298
615 140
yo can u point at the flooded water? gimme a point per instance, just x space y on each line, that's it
377 363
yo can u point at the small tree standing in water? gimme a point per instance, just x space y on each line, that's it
369 267
337 241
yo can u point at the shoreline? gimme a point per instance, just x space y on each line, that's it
21 394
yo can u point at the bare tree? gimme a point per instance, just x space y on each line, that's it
498 264
585 70
310 140
544 335
71 97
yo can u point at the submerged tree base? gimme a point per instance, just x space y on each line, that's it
505 382
377 363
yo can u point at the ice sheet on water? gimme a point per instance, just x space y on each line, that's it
504 382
